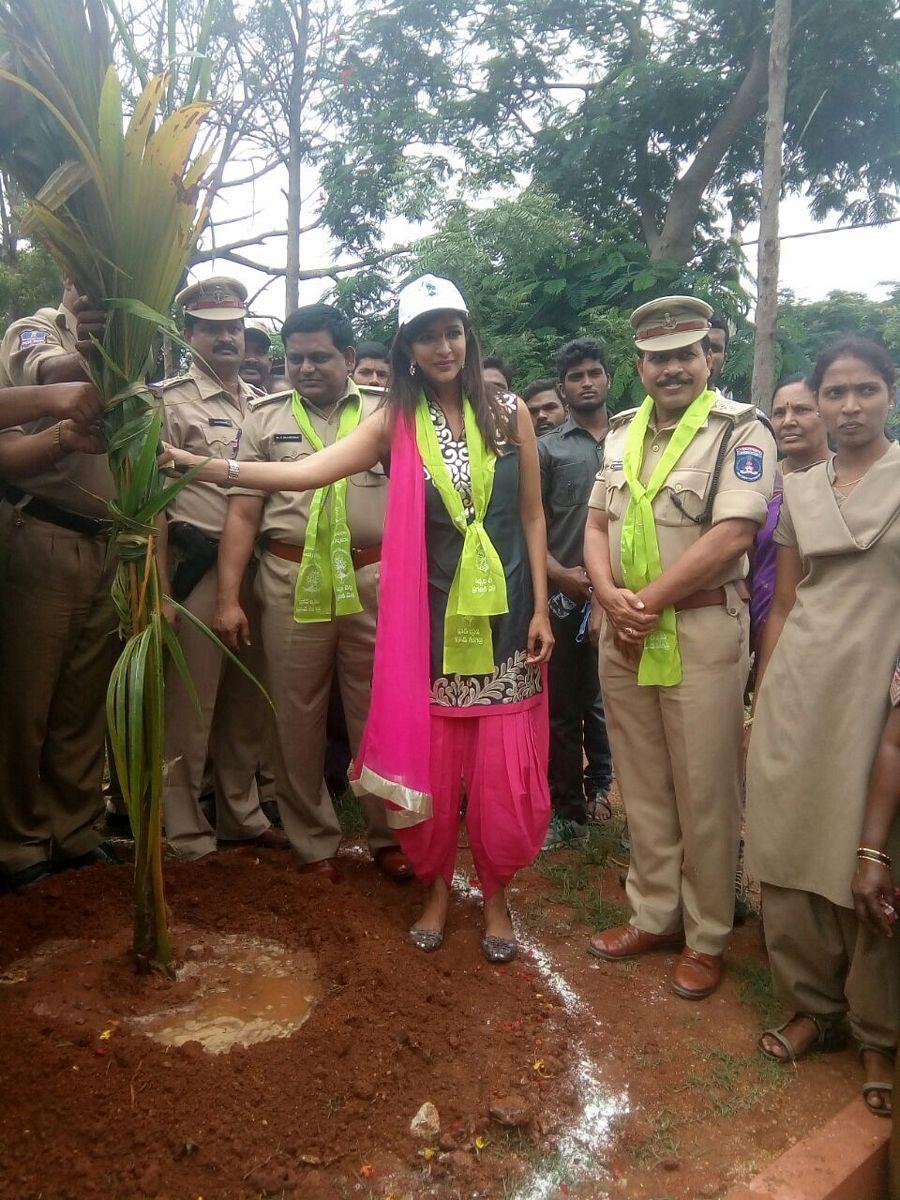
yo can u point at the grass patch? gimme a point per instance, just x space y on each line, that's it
350 814
735 1083
577 881
660 1143
755 989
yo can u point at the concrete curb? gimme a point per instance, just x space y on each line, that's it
846 1159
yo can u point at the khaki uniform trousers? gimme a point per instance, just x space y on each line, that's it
677 758
300 662
231 728
824 961
58 646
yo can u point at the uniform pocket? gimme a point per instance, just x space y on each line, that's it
617 495
682 497
372 478
222 440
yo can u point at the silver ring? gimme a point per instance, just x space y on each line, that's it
630 632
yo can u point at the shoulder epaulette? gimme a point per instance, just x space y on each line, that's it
732 410
617 420
260 401
163 385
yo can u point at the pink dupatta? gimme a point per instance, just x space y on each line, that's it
394 758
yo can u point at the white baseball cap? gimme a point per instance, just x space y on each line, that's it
428 294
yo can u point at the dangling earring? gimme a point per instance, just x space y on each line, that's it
412 368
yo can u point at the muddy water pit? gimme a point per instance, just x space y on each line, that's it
230 990
291 1053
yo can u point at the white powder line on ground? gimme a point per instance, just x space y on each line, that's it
580 1149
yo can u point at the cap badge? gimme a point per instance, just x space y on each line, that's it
668 320
430 289
218 295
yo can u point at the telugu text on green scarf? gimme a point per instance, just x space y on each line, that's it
326 572
478 590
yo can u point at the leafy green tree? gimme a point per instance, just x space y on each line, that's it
536 276
807 327
637 114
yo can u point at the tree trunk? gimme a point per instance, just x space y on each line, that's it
300 13
676 241
292 250
769 246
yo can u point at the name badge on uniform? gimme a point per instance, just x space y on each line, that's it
615 465
29 338
748 463
221 422
288 437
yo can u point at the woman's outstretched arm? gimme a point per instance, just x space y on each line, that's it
358 451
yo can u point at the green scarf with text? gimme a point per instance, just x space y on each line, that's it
478 590
326 568
660 663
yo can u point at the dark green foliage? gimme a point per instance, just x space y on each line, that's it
32 282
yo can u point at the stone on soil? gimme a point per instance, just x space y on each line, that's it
511 1111
426 1124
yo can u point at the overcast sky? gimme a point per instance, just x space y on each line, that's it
858 260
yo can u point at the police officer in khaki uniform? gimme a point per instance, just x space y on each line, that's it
684 488
204 412
303 656
57 637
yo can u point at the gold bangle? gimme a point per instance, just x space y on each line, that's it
875 856
58 438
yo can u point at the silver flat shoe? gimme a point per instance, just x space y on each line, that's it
428 940
499 949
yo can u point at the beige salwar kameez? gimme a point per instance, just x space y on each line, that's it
820 714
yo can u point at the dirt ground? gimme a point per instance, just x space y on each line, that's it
601 1082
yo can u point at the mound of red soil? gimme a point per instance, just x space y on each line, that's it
92 1108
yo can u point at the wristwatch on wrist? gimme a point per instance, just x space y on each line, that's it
234 469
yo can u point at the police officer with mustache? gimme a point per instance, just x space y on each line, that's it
684 488
204 411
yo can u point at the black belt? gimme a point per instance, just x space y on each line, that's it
43 510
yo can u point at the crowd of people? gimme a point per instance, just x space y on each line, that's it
494 606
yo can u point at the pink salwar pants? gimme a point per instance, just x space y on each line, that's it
501 758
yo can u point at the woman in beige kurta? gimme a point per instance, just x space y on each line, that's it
827 657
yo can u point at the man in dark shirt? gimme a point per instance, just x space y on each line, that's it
570 457
543 403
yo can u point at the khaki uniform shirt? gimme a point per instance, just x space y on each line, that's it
823 703
29 341
743 489
200 416
78 483
271 434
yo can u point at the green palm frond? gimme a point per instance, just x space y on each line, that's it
118 206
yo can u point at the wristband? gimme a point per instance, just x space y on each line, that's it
234 470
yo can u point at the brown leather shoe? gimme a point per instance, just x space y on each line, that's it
327 868
627 941
269 839
696 975
392 862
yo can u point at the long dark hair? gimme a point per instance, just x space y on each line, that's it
494 421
